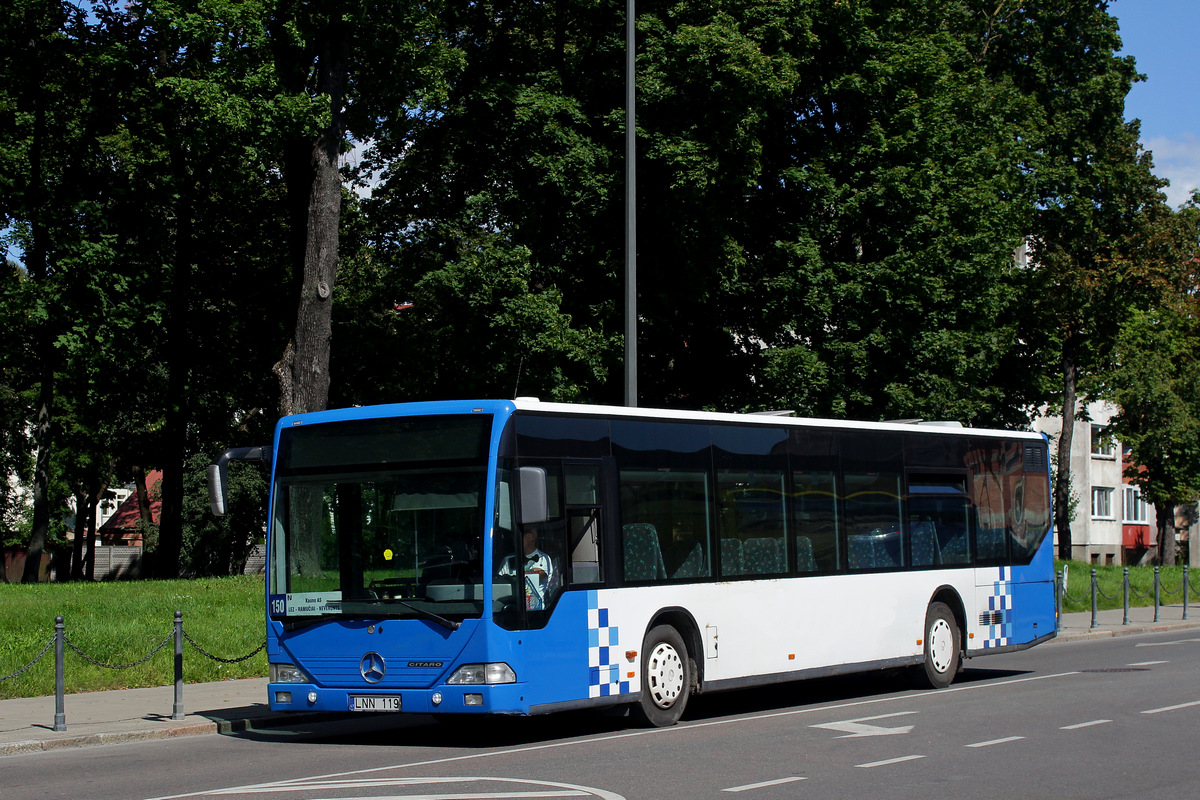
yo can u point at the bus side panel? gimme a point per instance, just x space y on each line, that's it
772 627
1015 604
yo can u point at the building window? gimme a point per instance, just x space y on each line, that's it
1102 502
1103 445
1133 507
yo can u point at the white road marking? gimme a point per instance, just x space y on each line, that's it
555 790
899 760
1164 644
672 731
775 782
1147 663
854 728
996 741
1079 725
1172 708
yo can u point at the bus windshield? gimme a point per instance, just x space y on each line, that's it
379 519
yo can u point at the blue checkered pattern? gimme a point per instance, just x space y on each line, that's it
1001 601
604 652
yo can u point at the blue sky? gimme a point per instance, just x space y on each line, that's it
1163 36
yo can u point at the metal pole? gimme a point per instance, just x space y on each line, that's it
1125 589
1156 599
1093 598
631 393
177 709
1062 589
1185 591
60 715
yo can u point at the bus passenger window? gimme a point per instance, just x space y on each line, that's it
752 515
664 520
815 521
873 529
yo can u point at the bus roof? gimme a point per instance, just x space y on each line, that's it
531 405
534 405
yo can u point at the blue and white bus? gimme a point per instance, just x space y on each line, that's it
521 557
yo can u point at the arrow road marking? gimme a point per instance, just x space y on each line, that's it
854 728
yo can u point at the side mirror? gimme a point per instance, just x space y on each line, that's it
218 474
532 483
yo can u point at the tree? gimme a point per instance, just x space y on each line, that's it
50 184
1154 377
1089 186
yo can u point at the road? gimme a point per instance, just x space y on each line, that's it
1107 718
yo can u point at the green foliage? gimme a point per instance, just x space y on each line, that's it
216 546
830 195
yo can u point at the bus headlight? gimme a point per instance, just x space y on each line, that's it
287 673
483 673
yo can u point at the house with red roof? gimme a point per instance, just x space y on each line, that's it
122 527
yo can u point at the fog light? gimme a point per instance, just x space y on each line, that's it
436 697
283 697
473 699
312 697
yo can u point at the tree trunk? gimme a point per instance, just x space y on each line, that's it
143 497
306 361
81 502
1166 534
1062 475
89 556
38 266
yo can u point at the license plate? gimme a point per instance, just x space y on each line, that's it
374 703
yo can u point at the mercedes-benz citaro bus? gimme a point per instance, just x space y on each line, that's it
521 557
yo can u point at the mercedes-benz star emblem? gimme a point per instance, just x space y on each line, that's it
372 667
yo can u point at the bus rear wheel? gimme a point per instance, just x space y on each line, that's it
666 678
943 648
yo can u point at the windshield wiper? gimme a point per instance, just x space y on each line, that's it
429 615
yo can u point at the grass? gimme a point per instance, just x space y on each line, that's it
121 622
1109 582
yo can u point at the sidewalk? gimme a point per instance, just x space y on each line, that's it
27 724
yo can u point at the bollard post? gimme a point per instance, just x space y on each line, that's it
1093 598
1156 598
60 716
177 709
1125 589
1062 589
1185 591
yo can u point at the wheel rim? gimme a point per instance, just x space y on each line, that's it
664 675
941 645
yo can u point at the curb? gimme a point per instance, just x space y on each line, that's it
200 727
1126 630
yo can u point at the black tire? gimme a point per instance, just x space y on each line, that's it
943 648
666 678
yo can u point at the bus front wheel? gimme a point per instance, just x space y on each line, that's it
943 647
666 678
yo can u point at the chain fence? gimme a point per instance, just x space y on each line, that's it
60 643
1185 588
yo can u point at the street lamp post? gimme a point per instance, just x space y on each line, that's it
631 396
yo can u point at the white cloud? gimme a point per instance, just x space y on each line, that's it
1177 160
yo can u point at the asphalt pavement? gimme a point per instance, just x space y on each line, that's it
125 715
